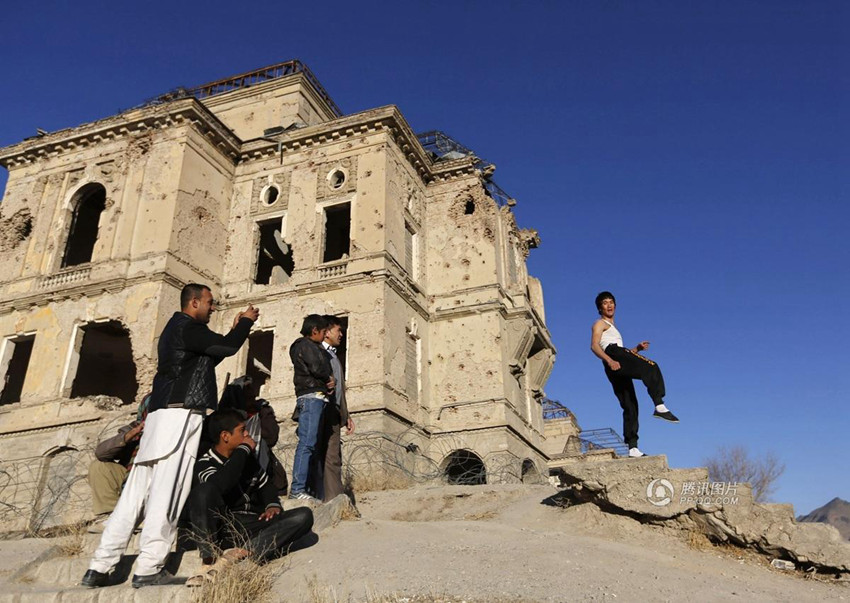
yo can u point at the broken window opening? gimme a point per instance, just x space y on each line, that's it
465 468
85 222
260 356
16 372
274 257
469 208
337 232
106 364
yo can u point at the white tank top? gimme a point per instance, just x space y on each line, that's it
610 335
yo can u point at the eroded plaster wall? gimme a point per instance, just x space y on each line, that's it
56 326
461 246
362 304
199 233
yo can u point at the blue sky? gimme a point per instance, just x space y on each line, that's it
690 157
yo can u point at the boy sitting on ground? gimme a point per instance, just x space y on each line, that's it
235 504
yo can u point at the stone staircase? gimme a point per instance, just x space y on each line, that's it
648 490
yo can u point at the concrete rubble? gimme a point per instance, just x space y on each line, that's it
631 487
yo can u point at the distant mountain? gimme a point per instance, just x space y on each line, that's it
836 513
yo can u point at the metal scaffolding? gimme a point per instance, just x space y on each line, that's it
443 147
606 438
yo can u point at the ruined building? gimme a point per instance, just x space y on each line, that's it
259 186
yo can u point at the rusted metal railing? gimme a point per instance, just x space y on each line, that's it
251 78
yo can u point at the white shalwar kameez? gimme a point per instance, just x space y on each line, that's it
157 486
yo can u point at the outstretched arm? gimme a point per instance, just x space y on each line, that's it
643 345
596 334
199 338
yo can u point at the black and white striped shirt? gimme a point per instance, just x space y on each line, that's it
243 484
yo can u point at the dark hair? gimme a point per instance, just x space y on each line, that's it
313 321
602 297
190 292
224 419
332 320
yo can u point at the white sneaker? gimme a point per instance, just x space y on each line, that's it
305 497
635 453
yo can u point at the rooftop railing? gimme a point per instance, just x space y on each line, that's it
252 78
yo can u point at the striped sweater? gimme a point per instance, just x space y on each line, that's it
243 484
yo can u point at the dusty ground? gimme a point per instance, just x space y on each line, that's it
489 543
475 544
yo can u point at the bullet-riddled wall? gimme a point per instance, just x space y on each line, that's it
271 198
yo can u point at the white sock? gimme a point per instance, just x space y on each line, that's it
661 408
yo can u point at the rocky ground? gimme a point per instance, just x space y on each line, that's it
453 543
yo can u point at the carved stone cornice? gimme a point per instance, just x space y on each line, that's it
129 123
191 111
383 119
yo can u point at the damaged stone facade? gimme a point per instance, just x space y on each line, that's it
345 215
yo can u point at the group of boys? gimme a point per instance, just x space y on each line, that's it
234 506
229 492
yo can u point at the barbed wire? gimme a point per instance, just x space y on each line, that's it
40 493
374 460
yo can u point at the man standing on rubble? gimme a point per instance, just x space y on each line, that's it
183 389
621 366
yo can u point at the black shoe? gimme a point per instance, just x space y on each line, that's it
666 415
94 579
161 577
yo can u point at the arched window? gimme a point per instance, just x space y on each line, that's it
530 474
465 468
89 204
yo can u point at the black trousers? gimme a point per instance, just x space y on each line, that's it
216 526
633 366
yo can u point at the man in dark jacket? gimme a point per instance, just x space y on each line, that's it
183 388
234 503
336 415
314 381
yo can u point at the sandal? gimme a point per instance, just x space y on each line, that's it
210 572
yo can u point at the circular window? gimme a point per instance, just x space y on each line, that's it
270 195
336 179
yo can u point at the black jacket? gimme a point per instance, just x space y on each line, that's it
188 353
243 484
312 367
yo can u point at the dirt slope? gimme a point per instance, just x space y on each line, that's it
499 543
